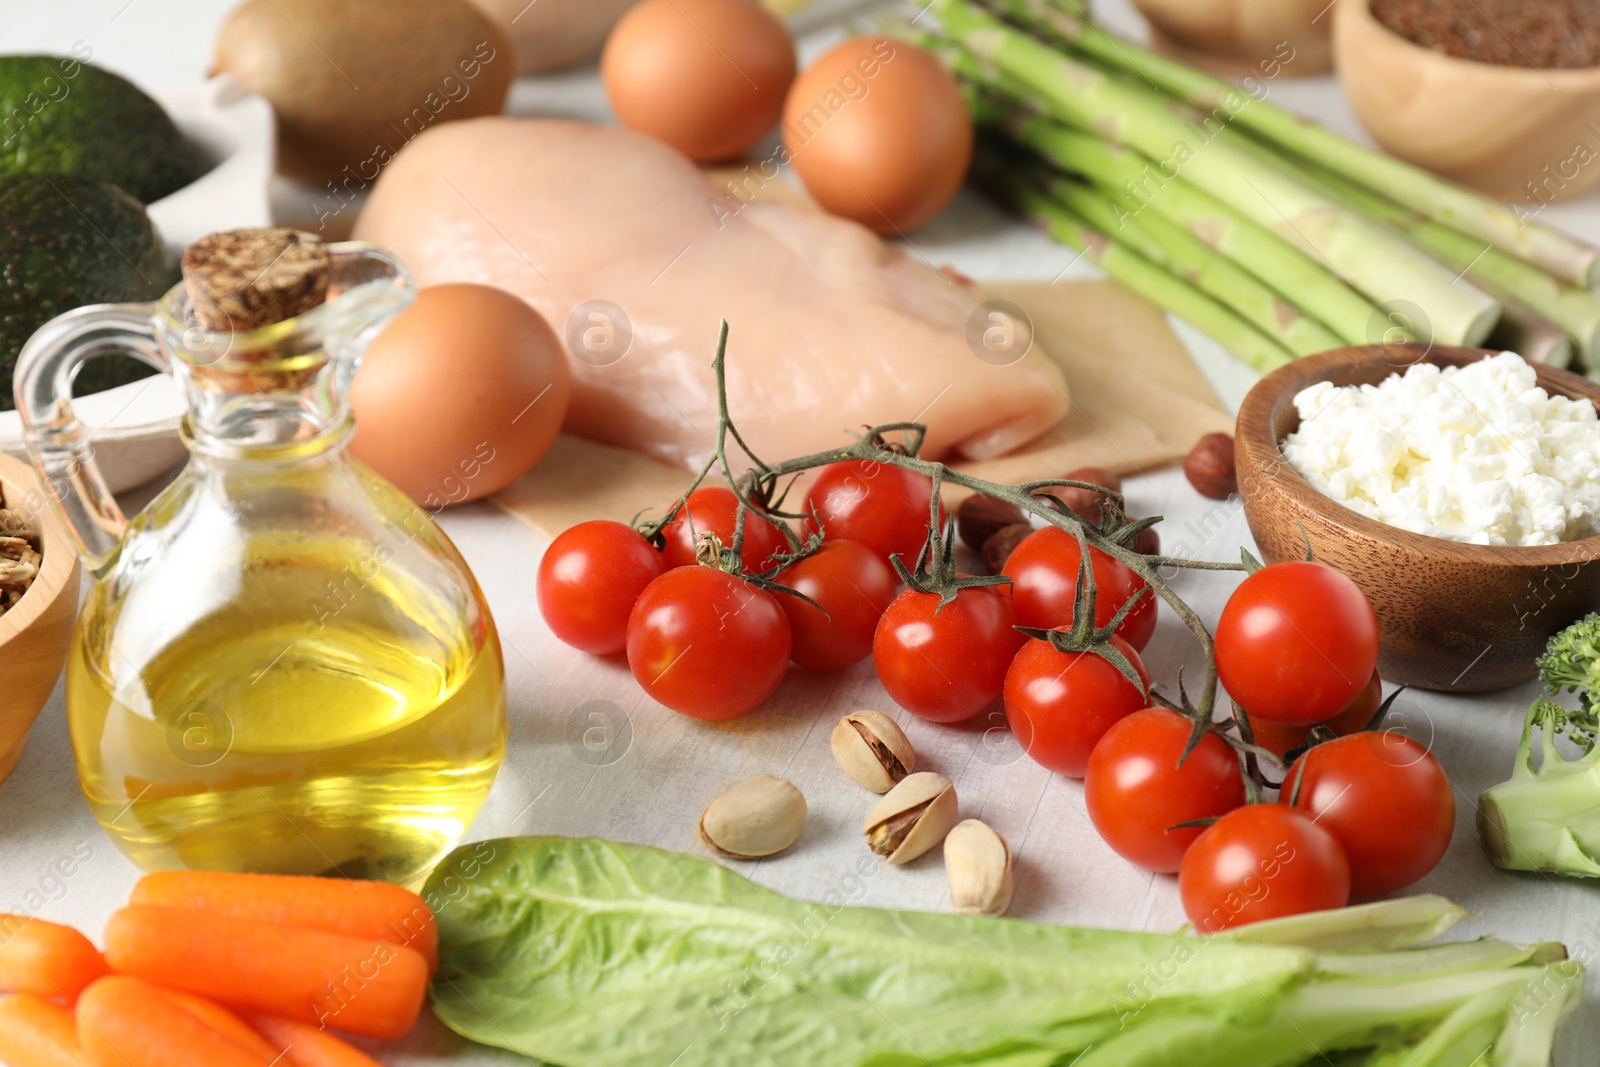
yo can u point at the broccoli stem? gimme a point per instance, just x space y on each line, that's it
1545 818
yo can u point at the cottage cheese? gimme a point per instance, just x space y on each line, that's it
1478 453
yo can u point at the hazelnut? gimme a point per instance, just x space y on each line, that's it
1210 468
1148 542
1085 502
999 547
980 517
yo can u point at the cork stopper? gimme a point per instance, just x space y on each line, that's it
244 279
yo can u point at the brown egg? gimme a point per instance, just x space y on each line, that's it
879 132
461 395
708 77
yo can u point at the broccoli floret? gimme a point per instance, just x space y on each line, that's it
1571 661
1548 818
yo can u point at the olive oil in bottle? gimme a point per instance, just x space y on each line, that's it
282 664
290 730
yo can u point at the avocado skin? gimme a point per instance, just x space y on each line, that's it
62 116
65 242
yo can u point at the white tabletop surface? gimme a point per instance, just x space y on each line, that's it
663 768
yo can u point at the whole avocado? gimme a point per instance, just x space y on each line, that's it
65 242
59 115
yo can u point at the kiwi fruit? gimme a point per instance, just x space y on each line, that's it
353 82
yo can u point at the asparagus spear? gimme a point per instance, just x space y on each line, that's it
1376 260
999 101
1566 257
1575 310
1305 281
1176 249
1536 339
1155 284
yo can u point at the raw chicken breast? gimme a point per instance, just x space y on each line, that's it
830 328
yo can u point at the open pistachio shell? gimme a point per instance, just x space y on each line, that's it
912 817
872 749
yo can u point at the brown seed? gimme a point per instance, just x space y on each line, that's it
1085 502
999 547
1210 469
980 517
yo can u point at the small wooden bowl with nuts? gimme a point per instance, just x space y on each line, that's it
1453 617
38 604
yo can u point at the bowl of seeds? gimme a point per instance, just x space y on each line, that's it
1500 95
38 604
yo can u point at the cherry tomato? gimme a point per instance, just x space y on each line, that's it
946 664
1278 738
1044 577
1385 798
1059 704
1261 861
707 644
883 507
1296 643
589 578
1136 790
715 509
853 586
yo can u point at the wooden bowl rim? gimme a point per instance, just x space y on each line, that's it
1559 79
57 569
1253 433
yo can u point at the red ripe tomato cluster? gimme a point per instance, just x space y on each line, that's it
1364 814
713 645
1296 646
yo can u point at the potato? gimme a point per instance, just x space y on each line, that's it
352 82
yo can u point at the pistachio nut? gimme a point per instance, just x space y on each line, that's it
872 749
756 818
978 861
912 817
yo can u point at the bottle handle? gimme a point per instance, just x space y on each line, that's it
56 440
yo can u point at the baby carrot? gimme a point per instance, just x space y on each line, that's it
371 988
372 911
122 1022
223 1022
307 1046
47 960
35 1032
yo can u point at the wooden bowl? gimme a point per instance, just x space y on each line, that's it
35 634
1453 617
1265 38
1492 127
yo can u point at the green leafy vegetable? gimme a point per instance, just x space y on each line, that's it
585 952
